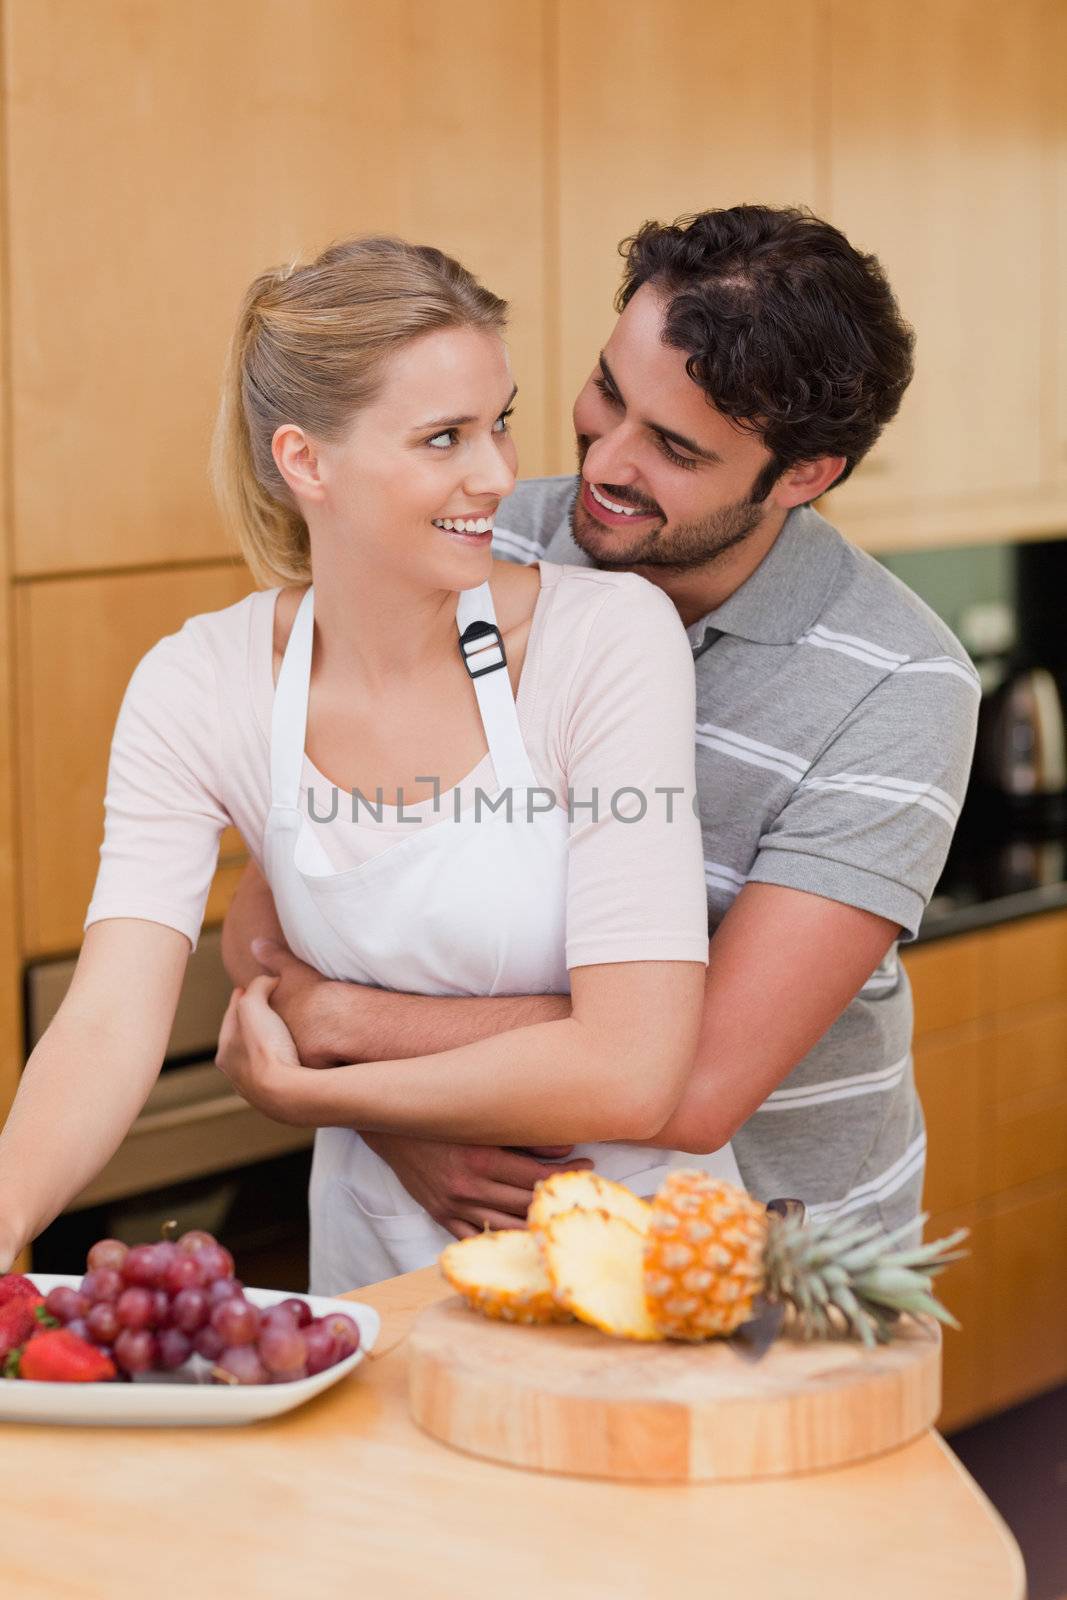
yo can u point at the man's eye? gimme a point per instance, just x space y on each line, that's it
600 383
672 455
449 436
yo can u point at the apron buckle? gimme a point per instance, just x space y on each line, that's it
482 649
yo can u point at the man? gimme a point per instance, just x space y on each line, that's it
756 358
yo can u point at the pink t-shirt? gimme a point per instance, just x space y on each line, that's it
606 704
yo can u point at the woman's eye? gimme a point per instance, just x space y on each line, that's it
449 436
501 423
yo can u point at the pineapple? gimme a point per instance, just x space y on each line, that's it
502 1275
704 1228
703 1263
594 1261
589 1192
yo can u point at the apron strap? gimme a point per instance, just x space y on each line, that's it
496 703
288 723
487 666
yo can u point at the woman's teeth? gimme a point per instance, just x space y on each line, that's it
609 505
452 525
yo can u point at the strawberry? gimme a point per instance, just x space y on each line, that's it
18 1320
13 1286
59 1356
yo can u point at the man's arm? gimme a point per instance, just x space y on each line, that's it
783 966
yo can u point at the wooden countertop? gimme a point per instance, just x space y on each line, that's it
346 1495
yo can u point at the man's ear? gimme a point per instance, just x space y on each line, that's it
297 459
807 480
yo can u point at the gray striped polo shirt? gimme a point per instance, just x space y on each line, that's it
835 725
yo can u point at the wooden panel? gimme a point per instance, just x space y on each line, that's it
663 110
10 987
1028 1299
947 982
935 165
1055 253
161 155
1029 1136
78 640
1029 962
953 1079
964 1288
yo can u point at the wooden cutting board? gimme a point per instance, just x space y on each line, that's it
569 1399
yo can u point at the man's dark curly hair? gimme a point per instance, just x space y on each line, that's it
788 329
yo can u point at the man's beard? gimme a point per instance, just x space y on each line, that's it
682 548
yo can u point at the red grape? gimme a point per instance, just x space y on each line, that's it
282 1350
102 1283
299 1308
66 1304
185 1272
79 1327
175 1349
225 1289
242 1362
135 1350
237 1321
321 1353
106 1253
135 1307
102 1322
216 1261
195 1240
189 1310
344 1332
141 1267
208 1343
279 1317
161 1317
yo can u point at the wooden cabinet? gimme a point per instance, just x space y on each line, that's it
159 156
991 1067
940 142
663 110
77 642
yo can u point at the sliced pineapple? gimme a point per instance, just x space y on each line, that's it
595 1263
587 1191
502 1275
704 1256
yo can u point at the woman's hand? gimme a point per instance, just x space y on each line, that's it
256 1052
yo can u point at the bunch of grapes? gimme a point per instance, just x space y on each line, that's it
152 1307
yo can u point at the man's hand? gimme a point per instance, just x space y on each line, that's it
468 1187
300 998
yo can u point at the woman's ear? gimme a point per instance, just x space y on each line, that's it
297 459
806 481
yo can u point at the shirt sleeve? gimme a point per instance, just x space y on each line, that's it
162 814
871 822
635 875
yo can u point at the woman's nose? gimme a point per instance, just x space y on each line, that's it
491 473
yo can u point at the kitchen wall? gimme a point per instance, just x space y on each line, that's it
155 156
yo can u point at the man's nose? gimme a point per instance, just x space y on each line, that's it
609 458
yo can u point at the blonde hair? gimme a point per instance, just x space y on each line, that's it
309 348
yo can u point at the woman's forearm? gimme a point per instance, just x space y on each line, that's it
90 1073
611 1074
76 1101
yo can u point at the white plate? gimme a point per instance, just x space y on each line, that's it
186 1398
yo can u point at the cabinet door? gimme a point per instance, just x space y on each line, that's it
664 110
78 640
935 165
160 155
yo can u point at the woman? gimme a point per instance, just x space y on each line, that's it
363 442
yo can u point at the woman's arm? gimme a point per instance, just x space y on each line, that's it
614 1069
89 1074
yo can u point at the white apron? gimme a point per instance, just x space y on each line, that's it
461 907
